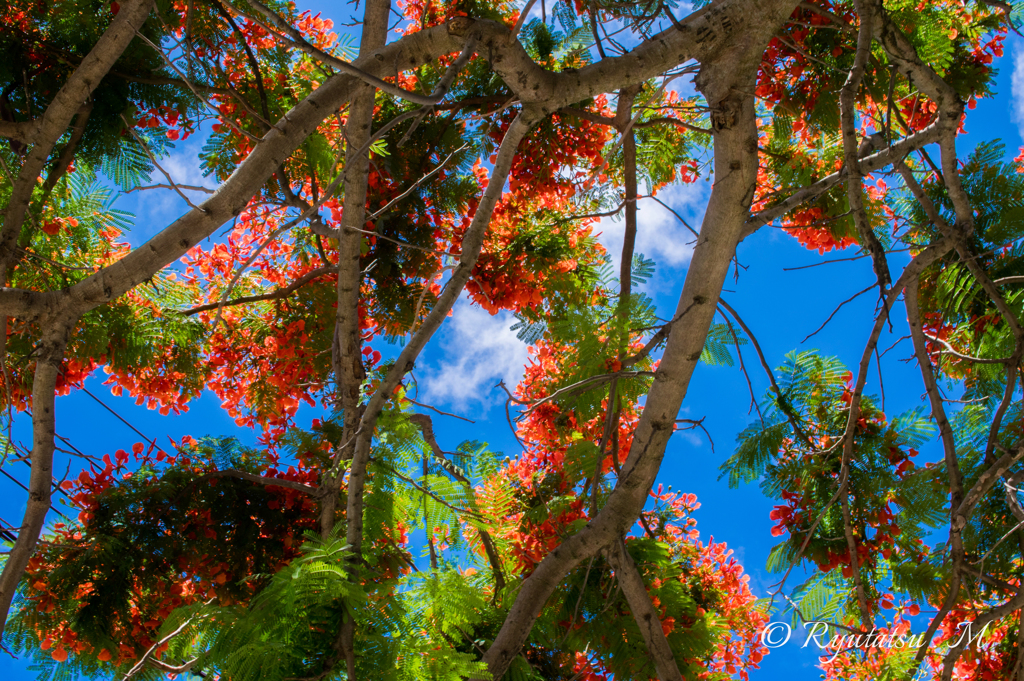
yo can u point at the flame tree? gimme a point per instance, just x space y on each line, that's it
365 185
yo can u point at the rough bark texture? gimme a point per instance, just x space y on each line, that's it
45 131
735 151
727 38
349 367
50 357
647 619
854 185
348 363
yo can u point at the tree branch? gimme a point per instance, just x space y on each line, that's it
647 619
426 426
45 131
276 294
259 480
723 81
49 358
847 111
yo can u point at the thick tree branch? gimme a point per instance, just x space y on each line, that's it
868 164
15 130
848 113
233 195
927 257
346 347
45 131
49 360
980 622
957 521
707 34
1012 367
735 154
647 619
472 243
347 341
623 118
67 154
950 109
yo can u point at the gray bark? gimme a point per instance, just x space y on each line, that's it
727 38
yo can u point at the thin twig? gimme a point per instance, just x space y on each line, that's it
165 639
186 187
276 294
779 396
152 159
959 355
416 184
834 312
435 409
586 383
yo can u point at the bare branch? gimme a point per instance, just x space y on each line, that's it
260 480
156 164
152 649
585 384
276 294
723 226
957 522
436 410
185 187
997 418
960 355
835 312
779 397
390 204
868 164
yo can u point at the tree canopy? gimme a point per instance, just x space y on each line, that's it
367 180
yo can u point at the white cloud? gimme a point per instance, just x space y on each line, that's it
659 233
692 436
184 167
157 208
1017 85
479 350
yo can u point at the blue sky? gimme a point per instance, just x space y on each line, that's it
474 350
